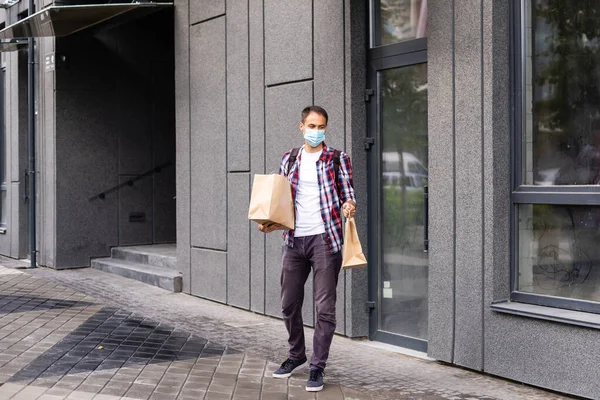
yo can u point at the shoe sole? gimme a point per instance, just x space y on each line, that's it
314 389
283 376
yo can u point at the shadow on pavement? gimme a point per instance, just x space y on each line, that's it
113 338
10 304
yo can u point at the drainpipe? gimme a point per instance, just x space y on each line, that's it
31 146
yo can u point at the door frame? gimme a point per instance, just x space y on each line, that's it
398 55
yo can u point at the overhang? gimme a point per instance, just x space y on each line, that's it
66 20
12 45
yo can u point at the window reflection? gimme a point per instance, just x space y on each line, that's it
562 125
559 252
404 270
401 20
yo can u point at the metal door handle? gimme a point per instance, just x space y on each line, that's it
26 185
425 218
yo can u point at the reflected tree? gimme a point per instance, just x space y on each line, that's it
565 69
404 98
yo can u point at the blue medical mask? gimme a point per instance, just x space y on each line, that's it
314 137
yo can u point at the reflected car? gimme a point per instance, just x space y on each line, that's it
413 175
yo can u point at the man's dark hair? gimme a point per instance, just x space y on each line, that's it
316 109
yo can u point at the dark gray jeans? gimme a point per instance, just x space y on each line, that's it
297 261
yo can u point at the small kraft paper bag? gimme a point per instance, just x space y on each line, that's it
271 201
353 256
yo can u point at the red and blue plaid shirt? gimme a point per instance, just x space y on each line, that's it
331 199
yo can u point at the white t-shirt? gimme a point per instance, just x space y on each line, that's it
308 205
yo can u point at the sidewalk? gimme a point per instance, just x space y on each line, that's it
86 334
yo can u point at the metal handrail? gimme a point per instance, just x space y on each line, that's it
130 182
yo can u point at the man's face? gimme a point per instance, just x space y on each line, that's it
313 121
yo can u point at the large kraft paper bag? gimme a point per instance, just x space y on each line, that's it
271 201
353 256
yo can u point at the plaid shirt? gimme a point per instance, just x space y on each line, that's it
331 203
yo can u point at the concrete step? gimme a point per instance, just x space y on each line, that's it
157 255
157 276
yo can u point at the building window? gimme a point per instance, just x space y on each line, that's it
398 21
556 188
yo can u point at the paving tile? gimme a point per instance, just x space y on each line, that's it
246 395
90 388
66 385
162 396
248 385
10 389
192 397
274 396
200 379
201 373
140 391
270 388
77 395
214 388
330 392
173 379
196 385
167 390
106 397
114 391
300 394
187 392
72 326
29 392
51 397
231 381
217 396
355 394
148 381
223 375
138 394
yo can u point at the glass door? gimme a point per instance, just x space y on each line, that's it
398 175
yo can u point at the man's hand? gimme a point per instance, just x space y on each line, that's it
269 227
349 209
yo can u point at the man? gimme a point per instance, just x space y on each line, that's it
315 242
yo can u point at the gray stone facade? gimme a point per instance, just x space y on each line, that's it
469 138
243 70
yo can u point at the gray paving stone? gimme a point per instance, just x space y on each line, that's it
162 396
50 397
81 396
106 397
225 375
140 391
196 385
148 380
113 391
90 388
274 396
190 392
43 383
225 389
223 382
167 389
246 395
267 388
191 397
235 363
66 385
217 396
330 392
248 386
